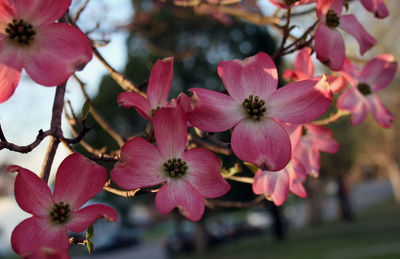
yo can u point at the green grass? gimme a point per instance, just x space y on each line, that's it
374 234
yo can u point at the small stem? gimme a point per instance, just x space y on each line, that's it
49 158
334 117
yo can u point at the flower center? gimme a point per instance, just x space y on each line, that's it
175 168
254 107
332 20
289 2
303 131
21 32
60 213
364 88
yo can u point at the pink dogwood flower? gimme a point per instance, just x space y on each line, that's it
187 175
361 98
377 7
285 4
256 109
158 89
329 43
78 180
304 69
49 52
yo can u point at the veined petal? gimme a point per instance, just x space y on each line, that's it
329 46
32 194
379 72
170 129
7 14
78 180
337 84
377 7
264 143
337 6
381 114
295 131
40 12
132 99
309 157
180 194
204 173
57 52
321 138
294 75
297 177
255 75
350 24
35 232
213 111
350 72
353 101
160 82
304 62
300 102
322 8
274 185
11 62
140 165
83 218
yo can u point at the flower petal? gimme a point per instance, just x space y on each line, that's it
183 195
350 24
213 111
170 129
300 102
32 194
40 12
78 180
205 173
304 62
141 104
11 62
379 72
381 114
7 14
323 7
140 165
264 143
255 75
309 157
337 84
294 75
377 7
86 216
34 233
57 52
274 185
297 177
329 46
353 101
160 82
321 138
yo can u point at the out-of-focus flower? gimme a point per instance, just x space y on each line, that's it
290 3
377 7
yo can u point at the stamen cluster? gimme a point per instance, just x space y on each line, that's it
175 167
364 88
21 32
60 213
332 20
254 107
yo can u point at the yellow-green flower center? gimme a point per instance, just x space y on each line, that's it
254 107
60 213
364 88
175 168
21 32
332 20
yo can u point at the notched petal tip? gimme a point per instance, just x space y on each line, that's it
13 168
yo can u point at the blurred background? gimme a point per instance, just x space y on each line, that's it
352 209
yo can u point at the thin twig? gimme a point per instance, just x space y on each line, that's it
334 117
80 10
4 144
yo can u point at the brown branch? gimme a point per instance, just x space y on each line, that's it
79 11
127 194
234 204
4 144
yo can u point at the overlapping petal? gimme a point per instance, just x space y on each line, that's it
11 63
160 81
304 62
379 72
132 99
377 7
321 138
7 14
323 7
381 114
309 157
353 101
274 185
329 46
297 177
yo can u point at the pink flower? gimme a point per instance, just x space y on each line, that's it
375 76
304 69
377 7
290 3
329 44
50 52
77 181
187 176
256 109
158 89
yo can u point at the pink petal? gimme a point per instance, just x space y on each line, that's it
323 7
255 75
170 128
32 194
141 104
304 62
86 216
181 194
337 6
350 24
140 165
321 138
214 111
295 132
7 13
35 232
205 173
57 52
11 62
350 72
40 12
379 72
300 102
78 180
46 252
264 143
160 82
381 114
274 185
294 75
297 177
309 157
329 46
353 101
377 7
337 84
